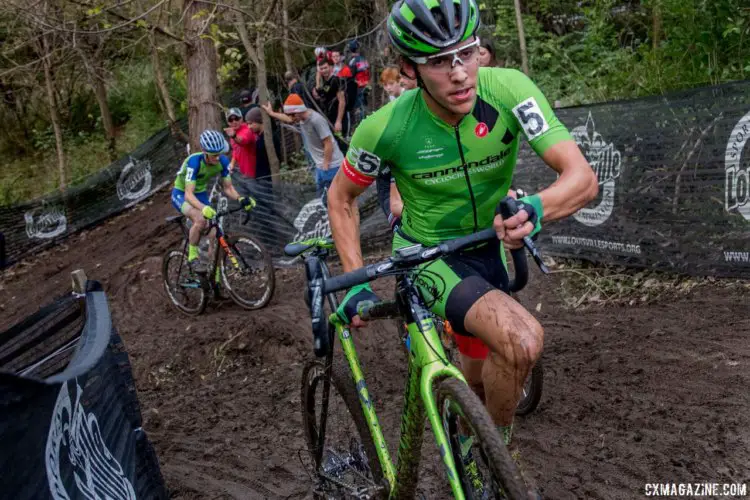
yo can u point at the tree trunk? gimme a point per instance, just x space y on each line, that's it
285 39
656 28
260 51
521 37
166 99
201 62
54 115
100 92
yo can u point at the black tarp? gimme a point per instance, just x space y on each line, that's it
70 422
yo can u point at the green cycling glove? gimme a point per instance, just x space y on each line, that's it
536 213
208 212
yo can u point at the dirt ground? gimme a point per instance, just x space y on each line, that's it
632 395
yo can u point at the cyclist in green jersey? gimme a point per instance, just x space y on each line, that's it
190 195
451 145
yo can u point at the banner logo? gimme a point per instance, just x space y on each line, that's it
311 222
49 223
79 464
135 180
606 161
738 173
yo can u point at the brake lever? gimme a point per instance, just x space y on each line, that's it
508 207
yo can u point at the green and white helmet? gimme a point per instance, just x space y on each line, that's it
420 28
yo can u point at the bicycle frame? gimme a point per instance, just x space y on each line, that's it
427 365
220 236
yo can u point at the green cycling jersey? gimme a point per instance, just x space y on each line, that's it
426 156
195 170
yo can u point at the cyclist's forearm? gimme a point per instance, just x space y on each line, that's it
231 192
343 215
574 188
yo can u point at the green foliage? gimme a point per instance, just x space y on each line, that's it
136 112
134 93
606 51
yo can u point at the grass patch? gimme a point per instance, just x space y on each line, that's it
584 284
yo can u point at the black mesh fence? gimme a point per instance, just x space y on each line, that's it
673 175
70 422
29 227
673 182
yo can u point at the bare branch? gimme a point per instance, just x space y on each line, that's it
41 22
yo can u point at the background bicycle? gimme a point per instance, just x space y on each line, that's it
238 265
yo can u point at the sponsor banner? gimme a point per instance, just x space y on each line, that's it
70 421
674 182
33 226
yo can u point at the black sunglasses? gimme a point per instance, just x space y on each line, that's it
233 119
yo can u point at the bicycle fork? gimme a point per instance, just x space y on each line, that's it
425 369
364 399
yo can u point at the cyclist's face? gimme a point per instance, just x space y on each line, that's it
211 159
451 76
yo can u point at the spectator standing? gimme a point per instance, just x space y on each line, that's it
487 54
336 62
242 140
260 185
332 98
246 101
294 86
318 138
360 68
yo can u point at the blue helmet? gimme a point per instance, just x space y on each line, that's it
213 142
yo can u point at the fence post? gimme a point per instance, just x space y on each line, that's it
79 281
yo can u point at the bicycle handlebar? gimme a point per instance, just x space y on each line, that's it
413 255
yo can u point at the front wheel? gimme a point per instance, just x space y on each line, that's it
484 466
248 272
184 289
342 450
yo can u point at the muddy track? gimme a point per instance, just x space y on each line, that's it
653 393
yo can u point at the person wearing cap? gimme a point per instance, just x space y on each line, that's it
242 140
360 69
247 101
317 135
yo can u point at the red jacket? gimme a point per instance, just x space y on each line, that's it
244 150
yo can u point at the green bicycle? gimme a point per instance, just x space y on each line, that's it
350 457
